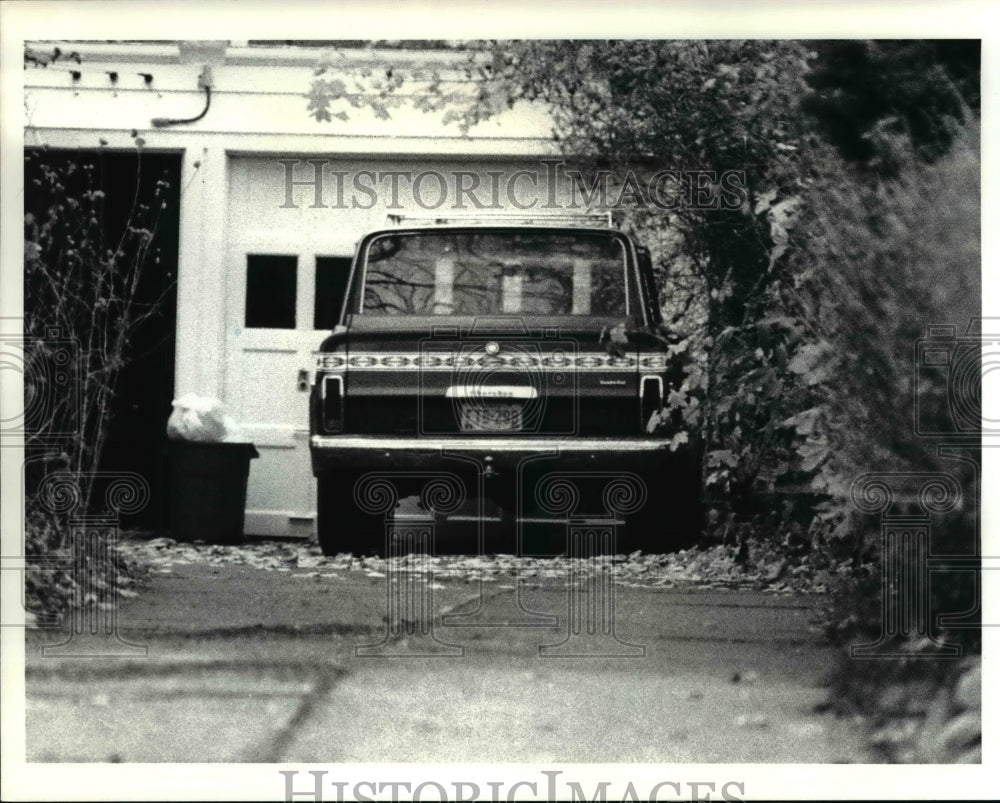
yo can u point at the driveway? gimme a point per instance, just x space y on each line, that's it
275 654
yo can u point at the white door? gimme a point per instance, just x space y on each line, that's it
286 273
271 341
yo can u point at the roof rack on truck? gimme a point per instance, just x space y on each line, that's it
584 220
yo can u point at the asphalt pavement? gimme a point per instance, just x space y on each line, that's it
231 663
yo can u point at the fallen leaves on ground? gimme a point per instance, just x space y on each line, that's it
715 567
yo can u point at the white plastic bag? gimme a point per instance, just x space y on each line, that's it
200 418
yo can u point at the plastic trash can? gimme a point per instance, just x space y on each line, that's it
208 490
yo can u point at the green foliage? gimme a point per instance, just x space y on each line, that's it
43 58
874 265
85 576
880 102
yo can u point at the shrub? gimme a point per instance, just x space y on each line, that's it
876 262
65 573
85 255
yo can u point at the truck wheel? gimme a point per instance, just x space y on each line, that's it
341 526
672 517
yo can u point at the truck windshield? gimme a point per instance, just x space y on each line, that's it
489 273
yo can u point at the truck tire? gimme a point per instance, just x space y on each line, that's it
341 525
672 517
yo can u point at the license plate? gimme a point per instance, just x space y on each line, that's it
491 418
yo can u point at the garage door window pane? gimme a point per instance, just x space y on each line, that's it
331 284
271 284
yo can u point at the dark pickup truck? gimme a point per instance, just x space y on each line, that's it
505 355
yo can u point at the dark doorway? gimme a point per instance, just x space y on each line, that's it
136 434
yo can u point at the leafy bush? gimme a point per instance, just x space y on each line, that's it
65 573
878 263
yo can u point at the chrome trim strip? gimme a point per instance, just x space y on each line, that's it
491 392
462 359
487 444
659 384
